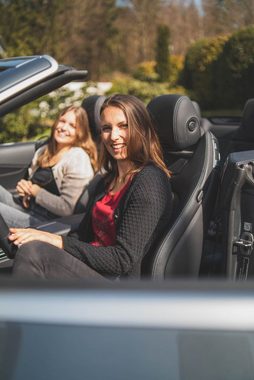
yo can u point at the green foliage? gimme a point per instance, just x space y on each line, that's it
27 27
199 69
176 63
143 90
21 126
35 119
145 71
235 69
162 53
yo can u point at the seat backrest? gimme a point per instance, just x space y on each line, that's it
191 154
92 105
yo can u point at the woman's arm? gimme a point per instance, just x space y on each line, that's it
147 211
76 174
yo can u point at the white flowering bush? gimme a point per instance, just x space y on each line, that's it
34 120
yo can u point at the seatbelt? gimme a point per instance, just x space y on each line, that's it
243 247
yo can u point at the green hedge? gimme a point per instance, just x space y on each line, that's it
35 119
143 90
235 69
145 71
199 69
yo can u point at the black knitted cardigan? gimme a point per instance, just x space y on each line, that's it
141 216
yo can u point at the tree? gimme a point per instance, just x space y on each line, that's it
199 69
235 69
226 16
89 35
185 22
28 26
162 53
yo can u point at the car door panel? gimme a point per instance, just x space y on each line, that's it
14 160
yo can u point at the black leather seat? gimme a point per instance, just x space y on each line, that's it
191 153
92 105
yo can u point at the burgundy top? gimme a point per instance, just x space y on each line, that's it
103 223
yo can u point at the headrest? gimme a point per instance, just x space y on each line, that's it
92 105
178 122
197 107
246 129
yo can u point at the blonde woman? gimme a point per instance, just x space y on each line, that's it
57 176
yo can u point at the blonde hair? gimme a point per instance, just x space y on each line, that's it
83 139
143 146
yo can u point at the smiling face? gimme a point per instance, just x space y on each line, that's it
65 133
115 132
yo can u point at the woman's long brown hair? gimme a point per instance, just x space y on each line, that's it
143 146
83 140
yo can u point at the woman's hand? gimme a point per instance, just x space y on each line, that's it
26 201
27 188
20 236
24 188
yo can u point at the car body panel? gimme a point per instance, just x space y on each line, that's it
14 161
175 330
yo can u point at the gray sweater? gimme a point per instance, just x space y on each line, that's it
72 174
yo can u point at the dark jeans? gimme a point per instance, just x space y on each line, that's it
15 215
42 260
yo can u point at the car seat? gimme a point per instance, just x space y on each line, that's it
92 105
191 153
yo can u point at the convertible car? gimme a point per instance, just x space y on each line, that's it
174 323
210 233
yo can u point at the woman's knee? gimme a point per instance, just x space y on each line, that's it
5 195
30 252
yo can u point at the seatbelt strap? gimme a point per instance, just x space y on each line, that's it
243 248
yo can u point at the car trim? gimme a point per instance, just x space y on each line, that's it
12 89
52 83
172 309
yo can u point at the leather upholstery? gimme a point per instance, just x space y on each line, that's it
193 151
92 105
177 120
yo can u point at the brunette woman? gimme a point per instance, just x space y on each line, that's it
130 208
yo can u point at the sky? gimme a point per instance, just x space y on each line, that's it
198 2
